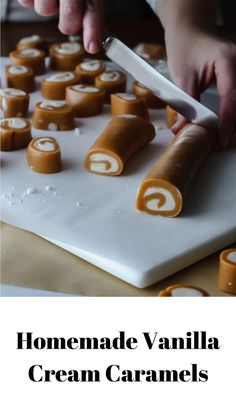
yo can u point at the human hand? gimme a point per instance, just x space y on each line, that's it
73 15
195 59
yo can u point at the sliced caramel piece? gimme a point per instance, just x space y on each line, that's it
44 155
111 82
15 133
121 139
30 57
227 273
183 291
88 70
127 103
20 77
14 102
33 41
153 102
171 116
66 56
150 52
54 87
163 190
53 116
85 100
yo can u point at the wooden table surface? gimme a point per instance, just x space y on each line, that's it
30 261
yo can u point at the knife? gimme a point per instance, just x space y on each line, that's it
163 88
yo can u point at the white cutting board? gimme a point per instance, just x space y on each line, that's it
106 229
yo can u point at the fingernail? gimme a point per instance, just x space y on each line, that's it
94 47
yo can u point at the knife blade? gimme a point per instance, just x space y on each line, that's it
163 88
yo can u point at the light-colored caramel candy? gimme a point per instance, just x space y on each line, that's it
32 41
111 82
66 56
30 57
227 274
127 103
44 155
150 52
14 102
15 133
183 291
153 102
171 116
53 116
85 100
20 77
121 139
88 70
54 87
163 190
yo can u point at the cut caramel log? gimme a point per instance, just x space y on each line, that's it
88 70
14 103
127 103
30 57
85 100
33 41
54 87
20 77
15 133
44 155
227 274
111 82
150 52
163 190
153 102
53 116
171 116
183 291
66 56
121 139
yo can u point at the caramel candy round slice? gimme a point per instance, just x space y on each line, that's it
227 274
121 139
15 133
150 52
111 82
54 87
53 116
171 116
183 291
33 41
29 57
85 100
20 77
127 103
14 102
153 102
66 56
163 190
88 70
44 155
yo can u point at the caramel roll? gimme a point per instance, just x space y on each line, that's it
163 190
153 102
14 102
30 57
15 133
54 87
111 82
20 77
127 103
44 155
227 273
120 140
88 70
53 116
183 291
66 56
150 52
85 100
33 41
171 116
